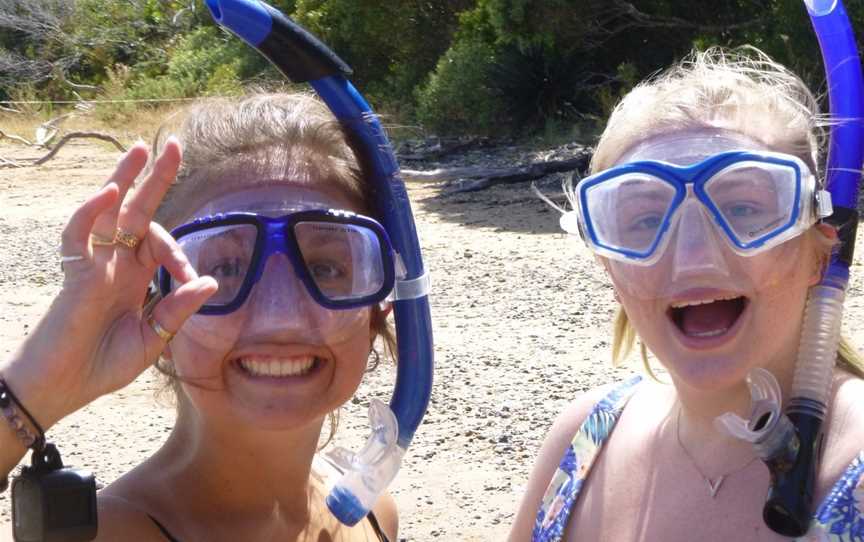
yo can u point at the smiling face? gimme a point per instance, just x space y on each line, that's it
281 360
709 314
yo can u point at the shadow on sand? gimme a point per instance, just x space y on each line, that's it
510 207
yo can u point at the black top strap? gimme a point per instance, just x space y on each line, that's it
162 528
371 517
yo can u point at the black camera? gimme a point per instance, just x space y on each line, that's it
53 503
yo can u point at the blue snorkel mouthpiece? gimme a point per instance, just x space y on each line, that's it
790 442
304 59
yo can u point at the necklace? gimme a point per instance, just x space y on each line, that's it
715 483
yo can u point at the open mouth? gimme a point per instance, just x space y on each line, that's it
278 367
710 317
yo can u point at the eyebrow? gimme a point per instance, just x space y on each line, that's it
734 183
639 189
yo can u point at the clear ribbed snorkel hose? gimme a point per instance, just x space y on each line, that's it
790 443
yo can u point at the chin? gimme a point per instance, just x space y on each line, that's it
709 373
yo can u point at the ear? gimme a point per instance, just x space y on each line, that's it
821 261
379 314
166 353
386 308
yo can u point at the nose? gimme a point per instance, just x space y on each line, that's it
281 297
697 248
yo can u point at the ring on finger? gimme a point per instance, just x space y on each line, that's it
70 258
157 328
99 241
126 238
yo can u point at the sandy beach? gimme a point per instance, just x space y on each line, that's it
521 322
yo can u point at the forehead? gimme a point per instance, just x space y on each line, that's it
274 198
689 146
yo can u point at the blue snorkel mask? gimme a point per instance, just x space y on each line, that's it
303 58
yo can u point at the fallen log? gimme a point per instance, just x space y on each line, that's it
472 179
506 174
440 148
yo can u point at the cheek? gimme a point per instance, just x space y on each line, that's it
194 359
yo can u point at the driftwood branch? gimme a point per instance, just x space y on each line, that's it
15 138
75 135
472 179
5 162
439 148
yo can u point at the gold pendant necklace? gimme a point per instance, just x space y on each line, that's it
715 483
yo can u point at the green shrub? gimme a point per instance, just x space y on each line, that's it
457 97
225 81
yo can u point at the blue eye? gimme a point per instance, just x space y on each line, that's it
649 222
740 210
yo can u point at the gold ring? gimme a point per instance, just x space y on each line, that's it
163 333
99 241
126 238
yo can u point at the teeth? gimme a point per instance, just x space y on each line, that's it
712 333
277 367
682 304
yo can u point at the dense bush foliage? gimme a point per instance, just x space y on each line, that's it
482 66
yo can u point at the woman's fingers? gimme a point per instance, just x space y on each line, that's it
169 314
76 235
128 169
138 211
159 248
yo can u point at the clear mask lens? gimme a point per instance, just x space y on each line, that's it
224 253
627 213
343 260
754 200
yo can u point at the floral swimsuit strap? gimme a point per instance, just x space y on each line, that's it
841 515
563 489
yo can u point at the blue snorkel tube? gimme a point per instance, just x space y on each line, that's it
304 59
790 443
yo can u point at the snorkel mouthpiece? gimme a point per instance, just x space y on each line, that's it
304 59
791 443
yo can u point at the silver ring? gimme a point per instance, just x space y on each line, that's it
66 259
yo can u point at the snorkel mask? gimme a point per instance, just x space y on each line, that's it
302 58
668 228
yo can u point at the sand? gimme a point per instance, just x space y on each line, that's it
521 325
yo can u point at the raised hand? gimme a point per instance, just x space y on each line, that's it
95 338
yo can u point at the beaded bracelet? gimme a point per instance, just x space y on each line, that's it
10 407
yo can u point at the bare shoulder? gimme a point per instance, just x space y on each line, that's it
847 420
121 520
557 439
387 515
